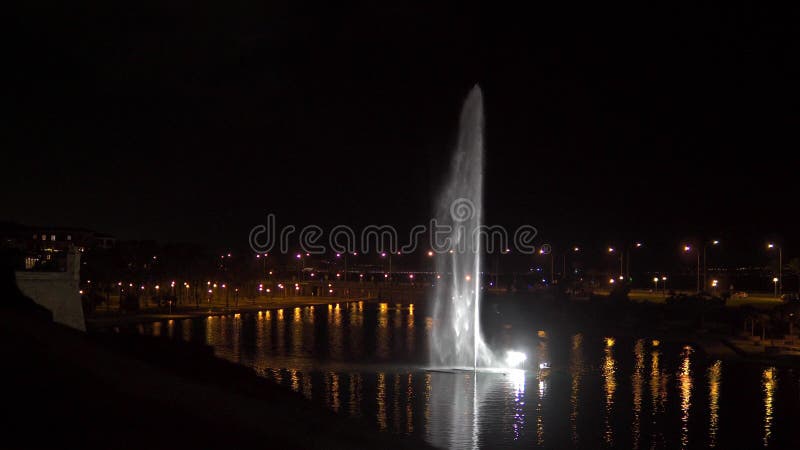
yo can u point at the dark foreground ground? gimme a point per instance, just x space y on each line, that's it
66 389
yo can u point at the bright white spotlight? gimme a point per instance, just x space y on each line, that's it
515 359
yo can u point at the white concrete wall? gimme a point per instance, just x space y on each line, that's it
57 291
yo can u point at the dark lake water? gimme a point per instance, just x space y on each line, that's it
603 391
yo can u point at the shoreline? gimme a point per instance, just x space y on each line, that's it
144 392
106 320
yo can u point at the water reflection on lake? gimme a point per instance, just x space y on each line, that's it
368 361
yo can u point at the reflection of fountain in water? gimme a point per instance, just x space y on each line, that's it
453 413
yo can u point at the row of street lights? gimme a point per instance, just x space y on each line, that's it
624 261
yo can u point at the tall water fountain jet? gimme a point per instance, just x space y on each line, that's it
456 338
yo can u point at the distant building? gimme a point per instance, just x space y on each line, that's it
43 247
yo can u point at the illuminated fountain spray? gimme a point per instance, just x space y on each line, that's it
456 338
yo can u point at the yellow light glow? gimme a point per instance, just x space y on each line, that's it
714 377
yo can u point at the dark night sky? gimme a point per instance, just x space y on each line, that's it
184 120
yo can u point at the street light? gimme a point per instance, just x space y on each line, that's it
575 249
775 281
688 249
301 265
542 252
664 285
612 250
497 266
705 271
779 282
384 255
655 284
628 259
263 258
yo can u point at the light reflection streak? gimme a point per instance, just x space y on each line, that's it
335 332
539 416
334 391
297 331
714 378
658 395
396 403
637 380
544 356
609 388
685 387
410 331
186 328
355 395
236 337
240 351
576 372
427 413
397 327
475 411
356 331
308 329
769 382
265 331
210 335
516 391
279 332
382 332
381 401
409 405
